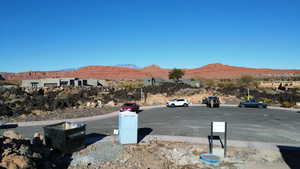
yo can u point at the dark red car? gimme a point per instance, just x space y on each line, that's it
130 107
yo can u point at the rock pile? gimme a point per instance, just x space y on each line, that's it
19 153
20 101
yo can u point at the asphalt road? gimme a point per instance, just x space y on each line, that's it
246 124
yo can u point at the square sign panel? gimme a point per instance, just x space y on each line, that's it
218 127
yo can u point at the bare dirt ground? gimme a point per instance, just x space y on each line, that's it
179 155
61 114
106 153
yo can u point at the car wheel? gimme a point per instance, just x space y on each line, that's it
172 105
185 105
243 106
260 106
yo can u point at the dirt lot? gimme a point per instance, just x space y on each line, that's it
179 155
106 153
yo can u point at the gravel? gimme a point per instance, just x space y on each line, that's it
102 151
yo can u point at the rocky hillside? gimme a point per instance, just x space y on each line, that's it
216 71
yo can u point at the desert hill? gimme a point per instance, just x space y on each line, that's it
215 70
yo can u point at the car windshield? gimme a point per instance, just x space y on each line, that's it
174 100
128 104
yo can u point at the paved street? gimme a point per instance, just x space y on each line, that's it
246 124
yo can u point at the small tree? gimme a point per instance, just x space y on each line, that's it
176 74
248 81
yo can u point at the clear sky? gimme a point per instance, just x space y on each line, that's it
59 34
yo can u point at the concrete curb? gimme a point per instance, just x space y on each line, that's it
113 114
201 140
48 122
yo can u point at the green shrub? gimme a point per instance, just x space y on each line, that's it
266 100
131 84
248 81
209 82
246 97
226 84
176 74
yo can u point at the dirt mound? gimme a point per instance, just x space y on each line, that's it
114 72
19 153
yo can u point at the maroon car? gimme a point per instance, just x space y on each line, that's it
130 107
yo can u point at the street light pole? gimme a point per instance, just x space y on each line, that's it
248 94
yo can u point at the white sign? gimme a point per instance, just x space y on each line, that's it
116 132
218 127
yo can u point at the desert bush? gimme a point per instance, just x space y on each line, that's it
10 82
266 100
248 81
226 84
169 88
287 104
131 84
187 92
246 97
5 110
209 83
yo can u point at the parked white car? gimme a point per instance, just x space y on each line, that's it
178 102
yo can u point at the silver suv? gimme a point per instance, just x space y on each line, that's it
178 102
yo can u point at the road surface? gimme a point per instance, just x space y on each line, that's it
245 124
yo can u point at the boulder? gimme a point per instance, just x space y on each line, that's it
12 134
110 103
99 104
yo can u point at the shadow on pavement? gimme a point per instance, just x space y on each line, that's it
93 137
143 132
291 156
140 110
8 126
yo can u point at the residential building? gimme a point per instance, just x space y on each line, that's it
56 82
153 81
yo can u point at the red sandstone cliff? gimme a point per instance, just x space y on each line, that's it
112 72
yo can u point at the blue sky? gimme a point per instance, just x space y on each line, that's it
59 34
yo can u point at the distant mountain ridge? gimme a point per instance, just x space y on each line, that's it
126 71
128 65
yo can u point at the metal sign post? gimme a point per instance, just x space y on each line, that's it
218 127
